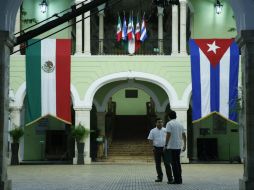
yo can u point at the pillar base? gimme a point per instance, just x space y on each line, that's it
184 53
5 185
174 54
246 184
87 53
87 160
184 160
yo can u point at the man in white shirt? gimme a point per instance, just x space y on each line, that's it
175 135
157 136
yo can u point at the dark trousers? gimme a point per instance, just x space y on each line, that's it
158 154
176 165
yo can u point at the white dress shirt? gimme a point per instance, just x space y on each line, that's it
158 136
176 130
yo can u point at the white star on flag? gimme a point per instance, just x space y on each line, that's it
213 47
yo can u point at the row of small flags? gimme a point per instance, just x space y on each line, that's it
124 33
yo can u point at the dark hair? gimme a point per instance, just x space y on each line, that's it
157 119
172 115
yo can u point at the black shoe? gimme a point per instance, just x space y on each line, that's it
158 180
171 182
174 182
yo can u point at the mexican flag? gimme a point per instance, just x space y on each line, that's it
119 30
48 80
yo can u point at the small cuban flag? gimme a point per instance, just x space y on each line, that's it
143 30
124 29
214 70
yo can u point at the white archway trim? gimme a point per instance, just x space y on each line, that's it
131 84
164 105
99 108
20 96
75 96
164 84
21 93
187 95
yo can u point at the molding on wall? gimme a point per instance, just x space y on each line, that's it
96 85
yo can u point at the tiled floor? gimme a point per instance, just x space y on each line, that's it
122 177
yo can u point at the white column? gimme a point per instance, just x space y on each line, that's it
15 121
181 114
160 29
101 31
78 32
87 49
17 29
175 30
183 15
82 116
101 122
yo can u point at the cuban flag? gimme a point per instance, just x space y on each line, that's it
143 30
124 29
214 70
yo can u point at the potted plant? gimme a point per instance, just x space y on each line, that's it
16 133
80 133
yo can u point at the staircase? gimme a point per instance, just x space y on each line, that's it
126 151
130 144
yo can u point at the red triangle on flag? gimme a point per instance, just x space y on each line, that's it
214 49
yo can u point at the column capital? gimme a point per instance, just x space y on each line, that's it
183 1
101 13
160 10
244 37
101 7
81 109
7 38
179 108
15 108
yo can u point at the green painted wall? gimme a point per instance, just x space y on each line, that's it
34 144
130 106
228 143
104 90
158 91
87 69
54 6
208 24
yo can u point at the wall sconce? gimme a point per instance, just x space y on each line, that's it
218 7
44 6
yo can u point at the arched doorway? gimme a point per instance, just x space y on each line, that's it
156 89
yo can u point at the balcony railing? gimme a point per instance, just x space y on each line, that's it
149 47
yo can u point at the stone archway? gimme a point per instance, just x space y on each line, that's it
177 104
165 85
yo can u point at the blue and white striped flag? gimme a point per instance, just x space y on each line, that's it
143 31
124 29
214 70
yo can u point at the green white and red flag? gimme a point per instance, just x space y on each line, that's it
48 80
119 30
